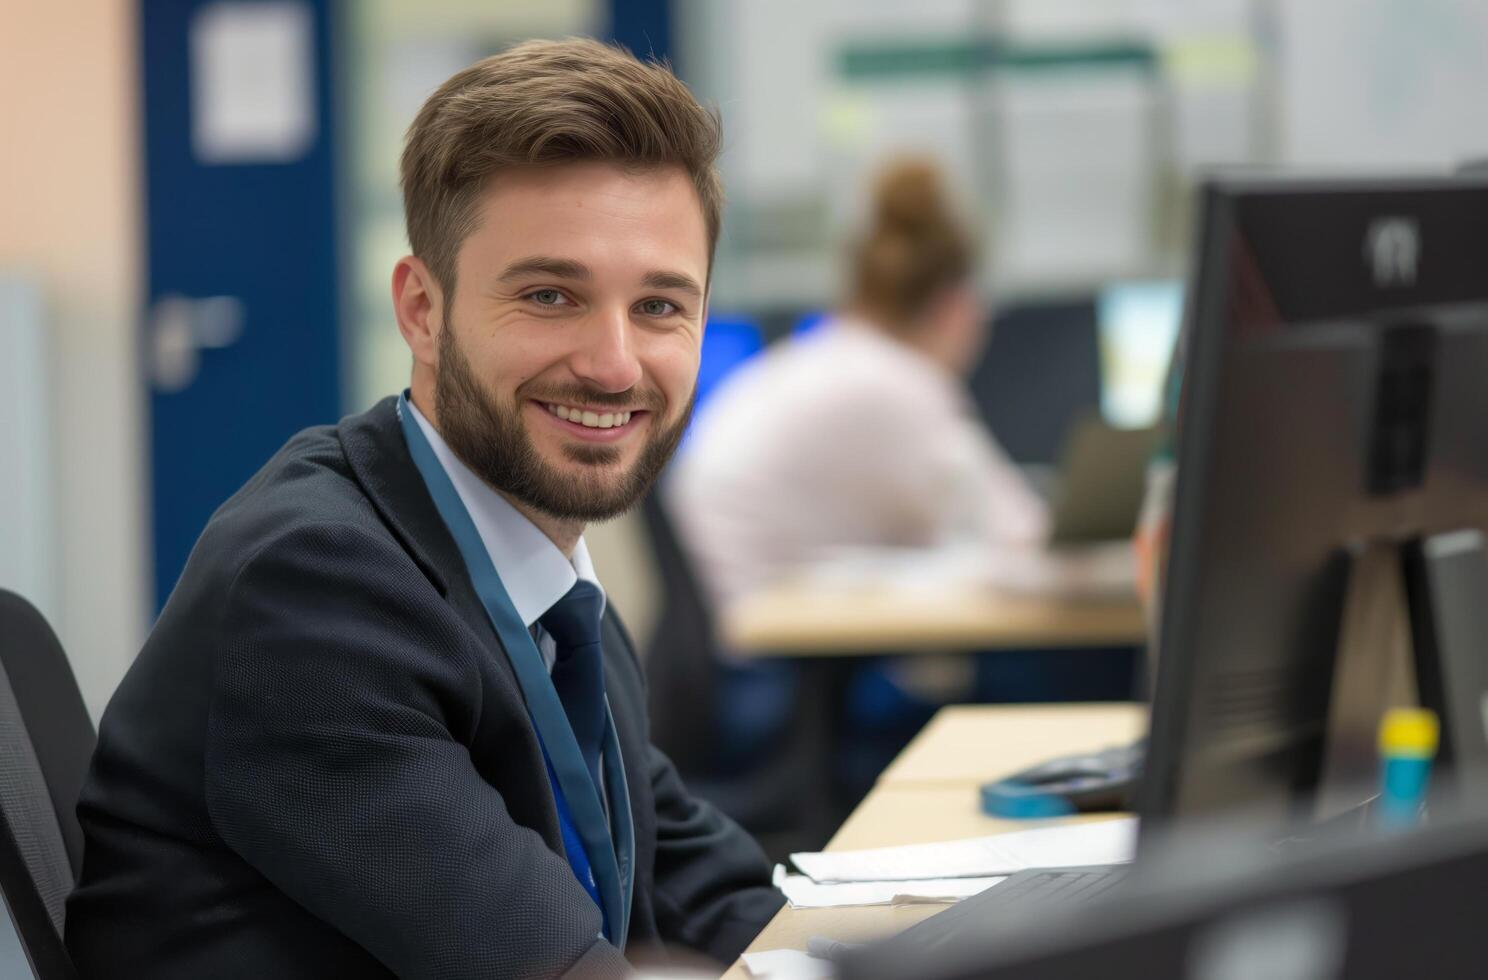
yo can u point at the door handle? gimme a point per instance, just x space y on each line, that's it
181 327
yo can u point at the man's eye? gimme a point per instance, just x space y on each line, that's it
546 297
657 307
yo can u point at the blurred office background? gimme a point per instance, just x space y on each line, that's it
199 213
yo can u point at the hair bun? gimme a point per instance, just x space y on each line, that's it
909 198
914 247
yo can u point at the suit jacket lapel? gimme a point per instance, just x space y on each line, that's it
378 455
379 458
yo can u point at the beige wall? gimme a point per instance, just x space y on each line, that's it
69 216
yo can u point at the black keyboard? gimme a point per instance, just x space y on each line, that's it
1042 887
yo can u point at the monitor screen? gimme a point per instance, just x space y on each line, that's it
1137 323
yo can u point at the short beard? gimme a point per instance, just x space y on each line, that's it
491 439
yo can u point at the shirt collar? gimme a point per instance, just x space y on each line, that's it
532 569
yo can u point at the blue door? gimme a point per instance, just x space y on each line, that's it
241 331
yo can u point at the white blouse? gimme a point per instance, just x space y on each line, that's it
844 438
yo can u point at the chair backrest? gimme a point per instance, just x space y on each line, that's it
681 658
31 948
46 740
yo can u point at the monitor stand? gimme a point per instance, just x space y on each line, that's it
1440 580
1413 631
1446 587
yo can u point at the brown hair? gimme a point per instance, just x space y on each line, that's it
547 102
914 247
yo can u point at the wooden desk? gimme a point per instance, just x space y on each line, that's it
811 620
970 744
923 797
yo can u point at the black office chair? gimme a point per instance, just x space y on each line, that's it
681 654
683 666
46 740
30 946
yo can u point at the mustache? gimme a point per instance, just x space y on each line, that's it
649 399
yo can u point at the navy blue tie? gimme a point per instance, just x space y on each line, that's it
578 671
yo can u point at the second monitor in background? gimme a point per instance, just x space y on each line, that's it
1102 476
1081 384
1032 346
1050 363
1137 324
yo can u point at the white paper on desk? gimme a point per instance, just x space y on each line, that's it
1106 570
807 894
787 964
1071 845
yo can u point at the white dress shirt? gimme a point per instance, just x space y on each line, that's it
532 569
846 438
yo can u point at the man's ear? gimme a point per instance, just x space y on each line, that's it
418 303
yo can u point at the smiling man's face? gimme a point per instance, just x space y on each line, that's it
568 355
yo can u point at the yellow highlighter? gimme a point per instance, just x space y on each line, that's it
1408 739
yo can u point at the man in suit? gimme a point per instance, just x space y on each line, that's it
386 724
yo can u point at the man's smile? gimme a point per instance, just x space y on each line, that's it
593 423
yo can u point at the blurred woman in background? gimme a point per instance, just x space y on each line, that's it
857 437
862 433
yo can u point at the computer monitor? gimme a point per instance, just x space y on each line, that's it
1335 410
1137 325
1033 343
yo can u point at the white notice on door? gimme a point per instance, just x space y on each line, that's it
252 82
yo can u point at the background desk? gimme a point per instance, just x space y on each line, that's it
930 794
803 618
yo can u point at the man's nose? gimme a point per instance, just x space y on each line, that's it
606 357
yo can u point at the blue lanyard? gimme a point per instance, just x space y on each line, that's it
611 860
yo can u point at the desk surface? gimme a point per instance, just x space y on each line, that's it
970 744
817 620
930 794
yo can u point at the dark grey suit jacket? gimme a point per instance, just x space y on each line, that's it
321 764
